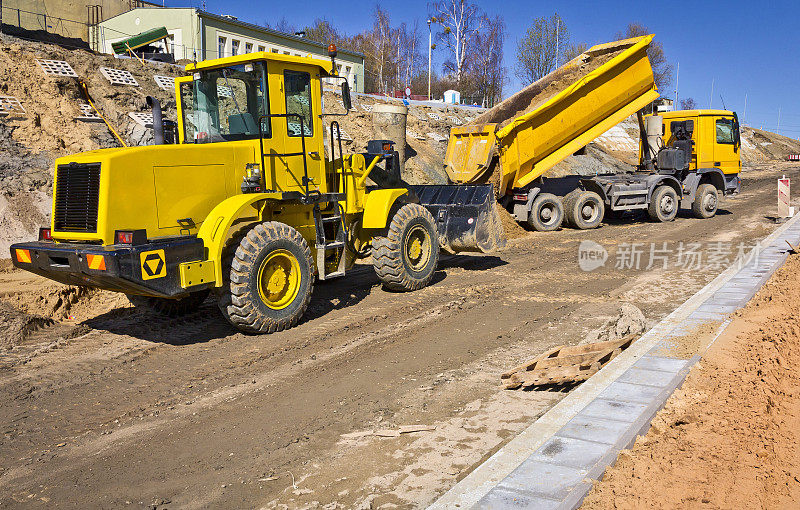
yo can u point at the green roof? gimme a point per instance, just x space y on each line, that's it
137 41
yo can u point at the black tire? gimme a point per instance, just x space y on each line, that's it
547 213
705 201
584 209
663 204
170 307
223 293
271 254
405 256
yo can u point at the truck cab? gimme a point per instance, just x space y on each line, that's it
716 143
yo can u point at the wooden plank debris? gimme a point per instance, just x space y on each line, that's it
565 364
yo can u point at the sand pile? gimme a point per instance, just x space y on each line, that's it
538 93
15 325
48 129
729 437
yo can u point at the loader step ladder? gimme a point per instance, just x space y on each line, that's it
326 246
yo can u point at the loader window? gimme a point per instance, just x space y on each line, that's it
226 104
725 130
298 100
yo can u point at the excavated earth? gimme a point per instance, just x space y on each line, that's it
729 437
375 400
107 405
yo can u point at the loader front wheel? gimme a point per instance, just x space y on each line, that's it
547 213
270 279
170 307
406 255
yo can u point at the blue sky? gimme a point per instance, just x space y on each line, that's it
745 47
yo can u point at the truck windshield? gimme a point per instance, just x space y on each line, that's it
225 104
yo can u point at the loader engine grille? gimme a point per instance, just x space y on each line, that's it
77 197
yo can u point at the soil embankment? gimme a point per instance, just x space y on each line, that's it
729 437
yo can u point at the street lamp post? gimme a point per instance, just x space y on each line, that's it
430 49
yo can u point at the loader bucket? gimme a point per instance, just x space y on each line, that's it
466 216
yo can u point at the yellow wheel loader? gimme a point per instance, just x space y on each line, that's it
247 204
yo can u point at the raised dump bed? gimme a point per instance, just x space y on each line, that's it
554 117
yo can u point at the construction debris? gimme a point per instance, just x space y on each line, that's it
118 76
88 114
164 82
10 104
144 119
565 364
57 68
396 432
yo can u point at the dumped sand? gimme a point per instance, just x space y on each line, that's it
729 437
538 93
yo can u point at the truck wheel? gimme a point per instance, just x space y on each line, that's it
547 213
406 256
170 307
705 201
270 279
584 209
663 204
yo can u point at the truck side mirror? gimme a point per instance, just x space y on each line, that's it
348 103
737 137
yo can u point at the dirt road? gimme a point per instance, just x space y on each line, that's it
729 437
127 408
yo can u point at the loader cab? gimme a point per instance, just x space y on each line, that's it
268 102
715 138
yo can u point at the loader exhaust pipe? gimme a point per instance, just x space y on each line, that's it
158 120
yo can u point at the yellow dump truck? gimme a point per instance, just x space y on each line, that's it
686 157
245 201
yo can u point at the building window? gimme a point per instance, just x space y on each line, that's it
274 50
234 47
221 47
261 48
248 47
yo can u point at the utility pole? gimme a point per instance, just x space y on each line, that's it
430 52
557 25
677 76
778 130
711 97
744 115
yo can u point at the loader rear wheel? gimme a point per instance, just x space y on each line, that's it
406 255
270 279
170 307
584 209
663 204
547 213
705 201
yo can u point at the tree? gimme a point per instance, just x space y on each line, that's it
540 50
486 64
572 51
283 26
662 70
322 32
688 104
461 22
